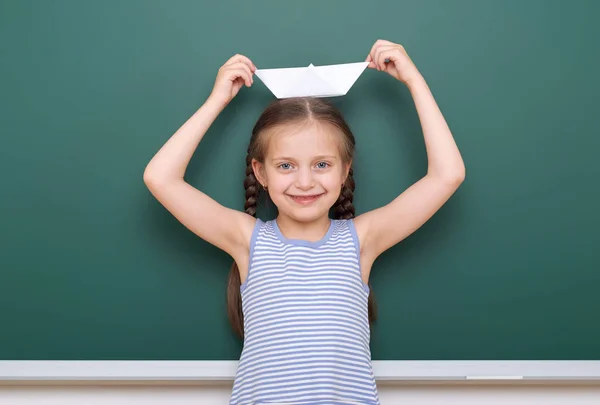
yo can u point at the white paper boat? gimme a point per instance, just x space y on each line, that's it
312 81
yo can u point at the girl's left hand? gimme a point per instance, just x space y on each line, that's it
399 64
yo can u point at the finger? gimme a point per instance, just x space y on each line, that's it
384 42
234 74
241 61
241 65
376 46
371 57
381 48
240 58
391 55
370 60
247 69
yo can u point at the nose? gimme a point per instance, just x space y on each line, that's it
304 180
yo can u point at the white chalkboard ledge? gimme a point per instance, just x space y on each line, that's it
214 371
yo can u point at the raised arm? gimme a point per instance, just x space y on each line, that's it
380 229
223 227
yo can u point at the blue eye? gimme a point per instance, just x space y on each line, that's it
284 166
322 165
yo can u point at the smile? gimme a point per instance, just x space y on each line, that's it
305 199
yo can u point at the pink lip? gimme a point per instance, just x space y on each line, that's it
305 200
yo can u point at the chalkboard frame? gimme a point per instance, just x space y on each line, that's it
34 371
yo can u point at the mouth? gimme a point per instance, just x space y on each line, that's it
305 199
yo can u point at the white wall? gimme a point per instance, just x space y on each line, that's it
198 394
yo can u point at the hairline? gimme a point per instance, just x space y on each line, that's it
300 123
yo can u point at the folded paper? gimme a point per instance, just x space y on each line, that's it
312 81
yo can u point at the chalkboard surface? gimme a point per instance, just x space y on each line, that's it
92 267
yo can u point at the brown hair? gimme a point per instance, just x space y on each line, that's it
280 112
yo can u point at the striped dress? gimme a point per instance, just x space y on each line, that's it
306 322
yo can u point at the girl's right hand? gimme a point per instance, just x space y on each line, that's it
236 72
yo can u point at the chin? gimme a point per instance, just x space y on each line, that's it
308 213
307 216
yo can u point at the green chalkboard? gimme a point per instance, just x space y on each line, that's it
92 267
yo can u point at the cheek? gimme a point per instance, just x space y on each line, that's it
334 179
279 182
332 183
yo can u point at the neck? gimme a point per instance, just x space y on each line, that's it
311 231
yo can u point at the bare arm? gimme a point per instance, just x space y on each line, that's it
223 227
384 227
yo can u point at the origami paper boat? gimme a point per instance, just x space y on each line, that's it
312 81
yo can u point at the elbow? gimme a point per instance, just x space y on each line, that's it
459 176
154 174
453 177
154 181
150 178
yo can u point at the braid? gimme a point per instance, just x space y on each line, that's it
343 208
251 186
234 299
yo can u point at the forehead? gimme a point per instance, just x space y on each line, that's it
304 140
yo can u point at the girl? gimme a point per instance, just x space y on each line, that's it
298 290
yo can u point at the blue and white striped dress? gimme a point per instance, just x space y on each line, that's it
306 321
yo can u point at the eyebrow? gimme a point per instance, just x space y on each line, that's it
315 158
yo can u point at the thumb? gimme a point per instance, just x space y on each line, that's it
371 63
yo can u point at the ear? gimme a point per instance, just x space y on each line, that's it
347 171
259 172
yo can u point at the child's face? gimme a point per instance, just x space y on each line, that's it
303 170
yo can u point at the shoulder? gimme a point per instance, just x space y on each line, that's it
358 227
345 226
248 226
365 227
343 229
255 229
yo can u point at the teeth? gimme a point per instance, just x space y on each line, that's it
305 198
